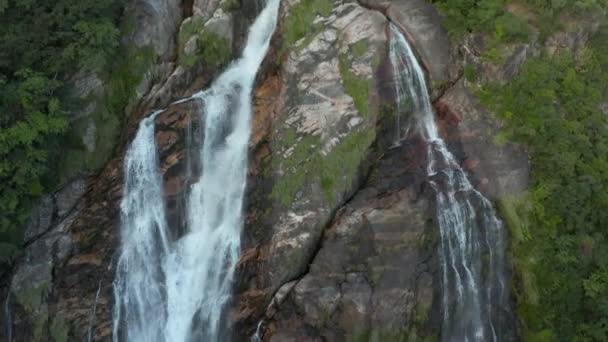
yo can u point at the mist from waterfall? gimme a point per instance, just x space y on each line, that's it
176 290
475 298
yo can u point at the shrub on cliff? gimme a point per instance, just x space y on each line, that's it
559 237
491 16
42 43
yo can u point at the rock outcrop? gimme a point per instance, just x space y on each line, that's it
156 23
319 144
373 275
497 168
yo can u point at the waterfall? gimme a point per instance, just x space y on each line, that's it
91 329
257 336
138 286
8 318
472 241
176 290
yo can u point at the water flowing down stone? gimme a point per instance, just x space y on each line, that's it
475 297
91 328
177 290
8 324
139 295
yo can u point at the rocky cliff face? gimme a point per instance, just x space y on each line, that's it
340 236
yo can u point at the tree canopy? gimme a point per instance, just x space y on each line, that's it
43 43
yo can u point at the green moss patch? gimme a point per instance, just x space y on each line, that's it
231 6
559 241
383 335
122 79
31 298
59 330
126 75
305 164
360 48
340 167
355 86
296 166
300 21
213 49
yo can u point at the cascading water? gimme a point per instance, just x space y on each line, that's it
138 288
8 314
472 241
176 291
90 330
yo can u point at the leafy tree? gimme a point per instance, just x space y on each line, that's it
464 16
553 106
490 16
43 42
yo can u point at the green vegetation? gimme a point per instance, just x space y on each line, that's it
559 244
469 73
59 330
215 50
212 49
31 298
508 27
43 42
559 241
463 16
355 86
396 335
491 16
39 323
340 167
230 5
299 23
485 16
126 74
297 166
335 171
360 48
122 77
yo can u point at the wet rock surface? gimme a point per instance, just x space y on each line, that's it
422 24
374 273
318 145
497 168
48 244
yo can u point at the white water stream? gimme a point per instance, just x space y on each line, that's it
472 241
176 290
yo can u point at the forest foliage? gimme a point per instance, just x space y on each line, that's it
492 16
559 240
559 235
43 43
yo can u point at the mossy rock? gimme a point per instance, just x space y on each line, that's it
212 49
59 329
300 21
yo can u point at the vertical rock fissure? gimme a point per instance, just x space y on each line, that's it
176 290
475 295
91 328
8 317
